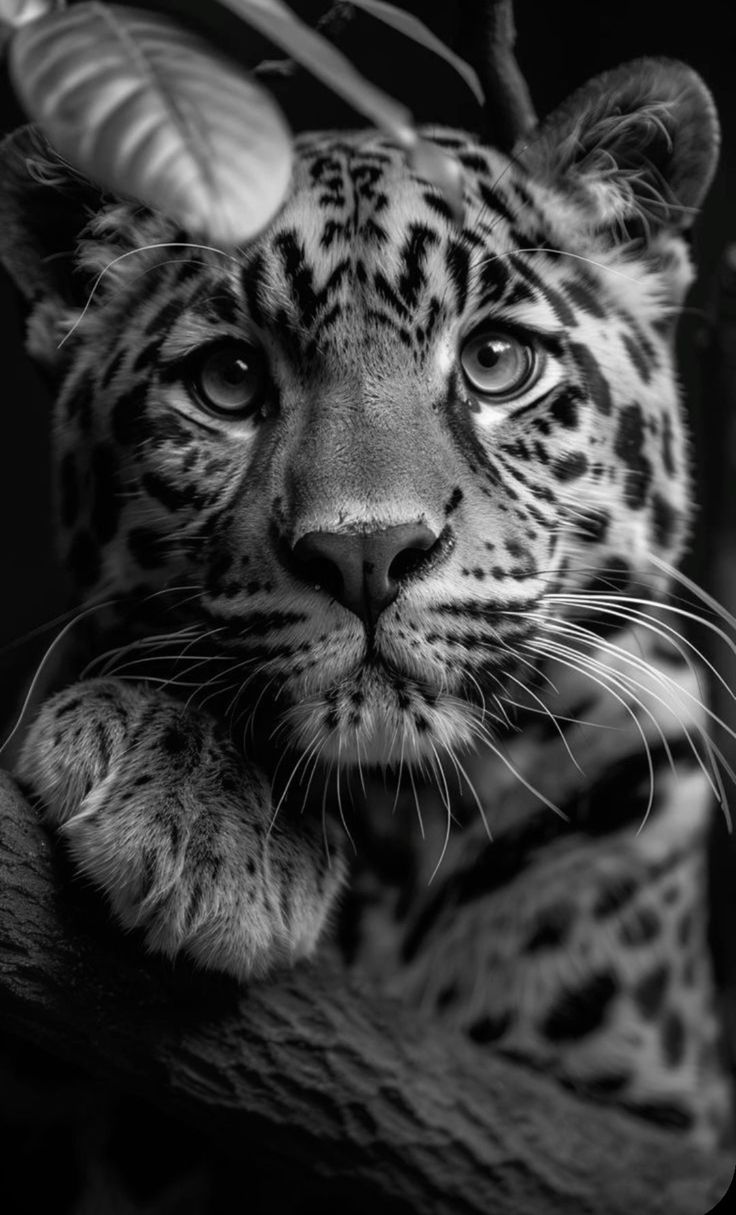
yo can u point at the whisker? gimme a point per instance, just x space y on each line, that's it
566 655
41 666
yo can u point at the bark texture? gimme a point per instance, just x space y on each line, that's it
312 1073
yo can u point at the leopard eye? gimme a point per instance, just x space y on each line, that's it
497 364
231 380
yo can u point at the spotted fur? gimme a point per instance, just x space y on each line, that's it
242 657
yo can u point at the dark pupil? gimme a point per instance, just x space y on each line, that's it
488 356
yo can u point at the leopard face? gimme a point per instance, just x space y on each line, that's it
354 461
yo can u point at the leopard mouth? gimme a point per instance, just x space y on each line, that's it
379 714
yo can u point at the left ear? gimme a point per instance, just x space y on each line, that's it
638 144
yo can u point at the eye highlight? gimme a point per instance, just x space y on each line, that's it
498 365
230 380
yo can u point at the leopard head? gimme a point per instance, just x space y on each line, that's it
361 456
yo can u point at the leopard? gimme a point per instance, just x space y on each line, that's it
373 528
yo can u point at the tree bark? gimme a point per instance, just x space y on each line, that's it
314 1072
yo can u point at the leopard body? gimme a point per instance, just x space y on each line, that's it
530 866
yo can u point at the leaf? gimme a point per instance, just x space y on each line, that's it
149 110
17 12
277 23
412 27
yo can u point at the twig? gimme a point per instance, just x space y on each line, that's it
486 41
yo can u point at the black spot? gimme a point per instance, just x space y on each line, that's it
666 1113
664 521
84 559
570 467
553 927
564 408
629 447
585 298
168 428
593 528
454 500
614 895
252 279
437 204
414 253
489 1028
615 577
146 356
649 992
300 276
387 293
673 1038
458 262
581 1011
555 299
518 293
640 926
606 1085
595 381
638 357
162 319
225 305
668 458
447 996
493 199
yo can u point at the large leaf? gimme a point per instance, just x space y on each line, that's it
412 27
149 110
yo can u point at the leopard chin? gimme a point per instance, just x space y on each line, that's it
379 718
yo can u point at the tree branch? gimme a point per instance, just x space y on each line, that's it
486 41
364 1096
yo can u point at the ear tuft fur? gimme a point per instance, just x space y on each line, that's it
638 143
44 205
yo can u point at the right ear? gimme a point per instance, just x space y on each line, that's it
44 207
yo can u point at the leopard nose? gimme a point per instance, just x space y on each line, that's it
364 571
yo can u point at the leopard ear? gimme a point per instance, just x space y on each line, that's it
638 144
44 206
